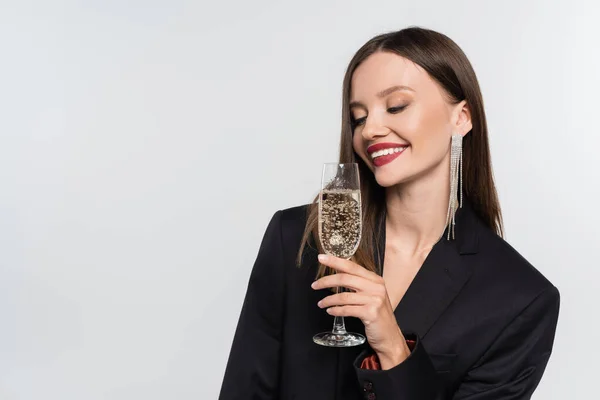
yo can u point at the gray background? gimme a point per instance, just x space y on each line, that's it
146 144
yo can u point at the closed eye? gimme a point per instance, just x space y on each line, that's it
391 110
395 110
358 121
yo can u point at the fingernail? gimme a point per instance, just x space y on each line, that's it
328 311
320 303
322 257
314 285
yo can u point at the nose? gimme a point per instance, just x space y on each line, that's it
373 129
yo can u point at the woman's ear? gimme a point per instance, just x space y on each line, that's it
463 124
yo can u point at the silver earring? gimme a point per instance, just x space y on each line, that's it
456 166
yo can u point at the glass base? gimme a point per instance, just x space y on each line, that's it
331 339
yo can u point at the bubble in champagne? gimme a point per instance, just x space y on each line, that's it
336 240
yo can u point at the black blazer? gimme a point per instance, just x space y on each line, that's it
483 319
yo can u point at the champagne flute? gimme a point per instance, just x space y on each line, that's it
340 230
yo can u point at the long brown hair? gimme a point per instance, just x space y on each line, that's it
447 64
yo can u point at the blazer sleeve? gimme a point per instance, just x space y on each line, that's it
252 370
513 366
510 369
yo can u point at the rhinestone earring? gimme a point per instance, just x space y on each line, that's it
456 166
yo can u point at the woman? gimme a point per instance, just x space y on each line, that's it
449 309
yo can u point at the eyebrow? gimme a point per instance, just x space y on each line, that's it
383 93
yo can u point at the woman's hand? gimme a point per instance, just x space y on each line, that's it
369 302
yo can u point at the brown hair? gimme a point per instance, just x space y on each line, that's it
447 64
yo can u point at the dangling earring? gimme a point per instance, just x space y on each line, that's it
456 166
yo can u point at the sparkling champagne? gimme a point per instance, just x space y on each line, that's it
340 229
340 221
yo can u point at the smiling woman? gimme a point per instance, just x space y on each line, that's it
449 309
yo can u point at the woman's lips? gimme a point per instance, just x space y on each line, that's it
385 159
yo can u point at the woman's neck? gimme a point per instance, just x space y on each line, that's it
417 211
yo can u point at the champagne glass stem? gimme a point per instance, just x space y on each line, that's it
339 326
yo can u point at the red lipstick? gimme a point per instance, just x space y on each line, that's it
387 158
381 146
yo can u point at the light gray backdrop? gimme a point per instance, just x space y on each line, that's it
145 145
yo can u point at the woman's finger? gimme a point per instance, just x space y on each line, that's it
348 267
343 299
353 282
348 311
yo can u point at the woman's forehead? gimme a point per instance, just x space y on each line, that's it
383 70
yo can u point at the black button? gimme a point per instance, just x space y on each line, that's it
368 386
371 396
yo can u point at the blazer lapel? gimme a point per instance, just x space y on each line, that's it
440 278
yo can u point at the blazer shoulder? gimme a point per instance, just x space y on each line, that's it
501 263
292 225
296 214
293 219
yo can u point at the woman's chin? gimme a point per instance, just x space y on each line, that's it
387 179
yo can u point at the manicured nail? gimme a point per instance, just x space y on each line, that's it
322 257
314 285
320 303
